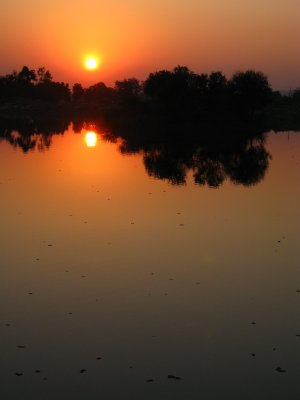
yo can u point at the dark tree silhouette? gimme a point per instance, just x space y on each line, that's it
27 75
217 92
250 91
187 91
27 85
100 94
296 95
173 90
128 89
53 92
217 83
44 75
160 86
179 92
18 85
77 92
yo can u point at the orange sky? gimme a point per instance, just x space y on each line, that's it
136 37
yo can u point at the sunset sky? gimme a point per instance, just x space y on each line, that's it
135 37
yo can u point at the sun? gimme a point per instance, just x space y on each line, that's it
91 63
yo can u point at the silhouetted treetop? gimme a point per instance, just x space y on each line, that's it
186 90
44 75
128 88
170 86
99 93
30 85
250 90
26 75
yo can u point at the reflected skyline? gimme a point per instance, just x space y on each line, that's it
243 162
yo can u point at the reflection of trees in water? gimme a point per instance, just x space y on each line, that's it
246 166
37 141
169 151
32 135
209 172
161 167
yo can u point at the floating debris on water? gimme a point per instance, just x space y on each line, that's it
174 377
279 369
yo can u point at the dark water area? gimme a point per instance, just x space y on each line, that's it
143 268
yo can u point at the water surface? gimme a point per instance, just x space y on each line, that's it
101 259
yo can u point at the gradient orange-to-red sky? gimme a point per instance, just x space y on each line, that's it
136 37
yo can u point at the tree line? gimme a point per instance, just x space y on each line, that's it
29 84
182 90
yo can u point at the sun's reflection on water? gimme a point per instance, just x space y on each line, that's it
90 139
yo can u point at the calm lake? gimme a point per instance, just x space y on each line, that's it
116 284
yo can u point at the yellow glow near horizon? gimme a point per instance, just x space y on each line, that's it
90 139
91 63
